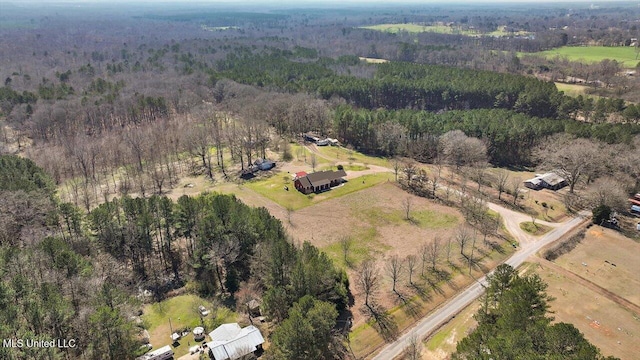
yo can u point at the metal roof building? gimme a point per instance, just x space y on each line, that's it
229 341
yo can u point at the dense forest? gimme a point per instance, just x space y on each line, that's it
102 110
67 276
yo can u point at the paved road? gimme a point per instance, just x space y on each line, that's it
430 323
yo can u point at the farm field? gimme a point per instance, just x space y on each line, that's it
604 323
612 262
593 54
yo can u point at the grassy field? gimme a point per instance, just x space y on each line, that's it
182 312
273 189
594 54
613 262
574 89
534 229
351 156
441 29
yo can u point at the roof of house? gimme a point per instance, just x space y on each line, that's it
244 342
300 174
225 332
321 178
549 178
552 178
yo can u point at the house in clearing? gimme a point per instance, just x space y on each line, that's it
549 180
319 181
229 341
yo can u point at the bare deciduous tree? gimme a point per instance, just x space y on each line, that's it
394 270
501 182
368 283
411 262
515 189
463 236
406 207
413 350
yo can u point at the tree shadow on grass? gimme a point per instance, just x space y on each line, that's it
381 321
421 291
407 305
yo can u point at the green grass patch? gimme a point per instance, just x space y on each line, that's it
302 155
534 229
273 188
429 219
352 156
183 313
364 244
573 89
594 54
349 167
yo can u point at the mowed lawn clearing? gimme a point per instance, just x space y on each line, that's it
604 323
344 155
593 54
177 313
274 188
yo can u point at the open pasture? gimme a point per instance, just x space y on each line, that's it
609 260
627 55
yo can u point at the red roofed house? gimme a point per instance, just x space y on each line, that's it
319 181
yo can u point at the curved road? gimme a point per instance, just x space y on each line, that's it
430 323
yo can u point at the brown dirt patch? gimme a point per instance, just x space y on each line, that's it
609 260
603 322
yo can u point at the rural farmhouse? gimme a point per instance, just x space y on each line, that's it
551 181
319 181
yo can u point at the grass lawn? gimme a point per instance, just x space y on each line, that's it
363 246
534 229
349 167
574 90
302 155
346 155
273 189
594 54
183 313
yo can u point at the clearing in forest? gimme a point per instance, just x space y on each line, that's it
178 313
626 55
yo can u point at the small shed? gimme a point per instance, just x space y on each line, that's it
635 209
253 307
